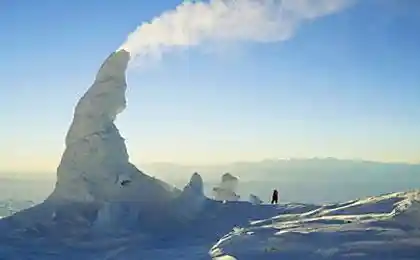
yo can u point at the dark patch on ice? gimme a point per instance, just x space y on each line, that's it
125 182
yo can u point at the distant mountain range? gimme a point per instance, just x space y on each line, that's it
319 169
310 180
305 180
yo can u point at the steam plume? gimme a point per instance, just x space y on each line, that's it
193 23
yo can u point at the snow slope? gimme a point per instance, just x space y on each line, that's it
384 227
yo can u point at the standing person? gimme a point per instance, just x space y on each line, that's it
275 197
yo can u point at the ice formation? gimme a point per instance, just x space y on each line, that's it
227 188
254 199
191 201
95 167
195 187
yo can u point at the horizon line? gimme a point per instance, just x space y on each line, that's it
215 164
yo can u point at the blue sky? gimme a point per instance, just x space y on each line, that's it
344 86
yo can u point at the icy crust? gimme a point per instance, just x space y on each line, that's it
369 228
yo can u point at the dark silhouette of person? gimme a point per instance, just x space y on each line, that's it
275 197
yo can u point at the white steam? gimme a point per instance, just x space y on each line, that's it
194 23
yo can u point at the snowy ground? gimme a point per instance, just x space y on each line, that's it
170 241
384 227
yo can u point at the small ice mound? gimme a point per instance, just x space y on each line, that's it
191 200
226 191
195 186
254 199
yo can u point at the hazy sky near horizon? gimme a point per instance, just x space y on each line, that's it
346 86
